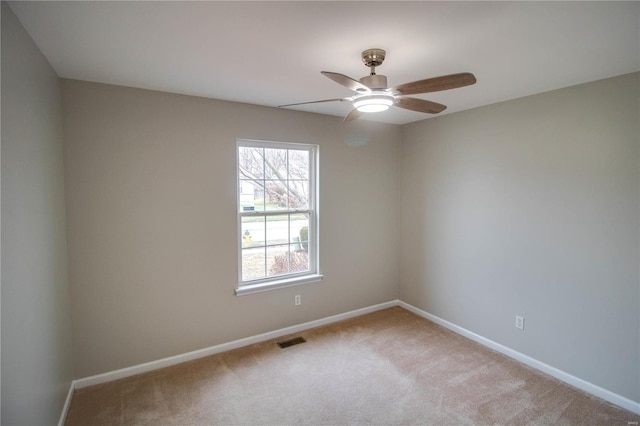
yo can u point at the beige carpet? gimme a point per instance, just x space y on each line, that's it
390 367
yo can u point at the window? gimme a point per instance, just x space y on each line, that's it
277 215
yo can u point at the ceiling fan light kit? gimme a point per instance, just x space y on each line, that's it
373 95
373 103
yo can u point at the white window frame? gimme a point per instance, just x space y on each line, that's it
291 279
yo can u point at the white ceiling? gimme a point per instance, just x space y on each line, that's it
271 53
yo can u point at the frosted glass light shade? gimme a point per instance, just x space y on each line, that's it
373 103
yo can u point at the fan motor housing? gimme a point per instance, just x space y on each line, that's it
375 81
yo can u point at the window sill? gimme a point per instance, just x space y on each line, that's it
277 284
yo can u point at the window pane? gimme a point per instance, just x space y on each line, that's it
299 194
253 263
276 195
299 261
251 196
252 231
299 230
298 164
278 260
251 163
275 163
277 229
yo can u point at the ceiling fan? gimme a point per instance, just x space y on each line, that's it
373 95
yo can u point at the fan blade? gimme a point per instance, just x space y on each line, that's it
353 115
347 82
316 102
420 105
436 84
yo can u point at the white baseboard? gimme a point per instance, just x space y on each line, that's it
67 403
581 384
201 353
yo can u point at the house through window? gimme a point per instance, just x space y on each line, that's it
277 215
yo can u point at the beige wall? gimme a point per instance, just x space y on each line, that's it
531 207
150 181
36 328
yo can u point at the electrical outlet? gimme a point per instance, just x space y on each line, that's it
519 322
298 300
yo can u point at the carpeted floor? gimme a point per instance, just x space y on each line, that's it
390 368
